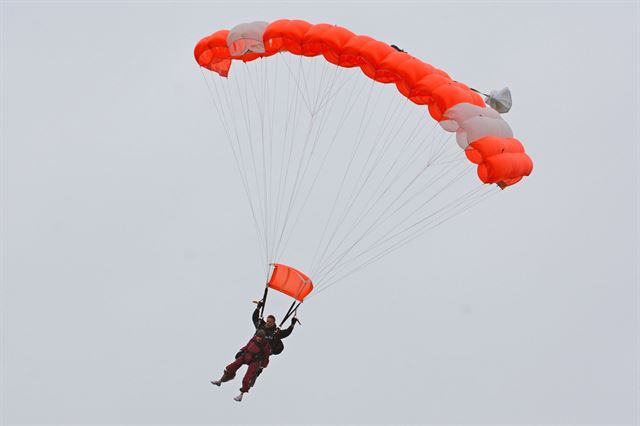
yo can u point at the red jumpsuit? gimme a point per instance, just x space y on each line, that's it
255 355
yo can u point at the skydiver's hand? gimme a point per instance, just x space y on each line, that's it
295 320
259 303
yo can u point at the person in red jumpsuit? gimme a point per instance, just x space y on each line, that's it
256 355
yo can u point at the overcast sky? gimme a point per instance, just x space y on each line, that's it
129 258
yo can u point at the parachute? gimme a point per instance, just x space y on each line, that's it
289 94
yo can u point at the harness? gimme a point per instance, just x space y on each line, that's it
257 356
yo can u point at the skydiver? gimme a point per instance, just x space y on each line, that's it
274 335
256 355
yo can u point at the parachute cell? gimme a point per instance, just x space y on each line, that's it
245 38
500 160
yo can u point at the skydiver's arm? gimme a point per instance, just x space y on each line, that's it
255 318
287 331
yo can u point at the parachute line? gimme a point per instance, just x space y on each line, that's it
236 154
336 278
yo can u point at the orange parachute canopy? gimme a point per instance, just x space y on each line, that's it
290 281
420 82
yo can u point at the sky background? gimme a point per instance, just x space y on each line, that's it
129 259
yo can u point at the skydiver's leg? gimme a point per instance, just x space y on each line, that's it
229 372
250 376
258 373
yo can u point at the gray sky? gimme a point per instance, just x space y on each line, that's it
129 259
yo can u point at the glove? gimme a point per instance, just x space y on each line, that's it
295 320
259 303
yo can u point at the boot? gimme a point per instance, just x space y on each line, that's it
239 397
216 382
